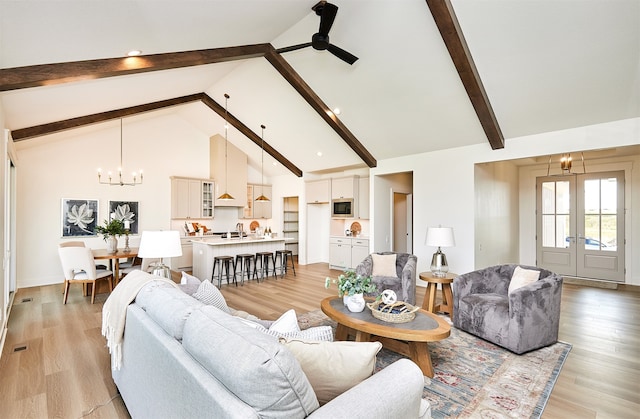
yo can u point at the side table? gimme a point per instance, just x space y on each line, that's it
429 302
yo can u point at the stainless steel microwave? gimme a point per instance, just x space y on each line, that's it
342 207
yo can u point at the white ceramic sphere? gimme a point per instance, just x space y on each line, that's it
389 296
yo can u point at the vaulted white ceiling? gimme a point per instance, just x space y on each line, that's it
545 65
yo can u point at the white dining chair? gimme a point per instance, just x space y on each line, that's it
145 266
79 266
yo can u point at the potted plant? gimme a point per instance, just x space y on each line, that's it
352 287
110 232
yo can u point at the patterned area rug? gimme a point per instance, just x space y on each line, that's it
477 379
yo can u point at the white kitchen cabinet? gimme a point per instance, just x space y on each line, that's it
235 166
363 198
247 210
344 187
191 198
262 209
339 253
318 191
184 262
347 252
359 251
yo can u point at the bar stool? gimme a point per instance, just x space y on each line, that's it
244 259
284 256
222 262
263 258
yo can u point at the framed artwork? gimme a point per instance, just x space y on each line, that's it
79 217
125 211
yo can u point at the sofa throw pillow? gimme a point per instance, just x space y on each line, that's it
384 265
187 279
334 367
189 284
209 294
286 323
317 333
522 277
250 364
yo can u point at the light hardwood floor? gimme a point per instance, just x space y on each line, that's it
65 370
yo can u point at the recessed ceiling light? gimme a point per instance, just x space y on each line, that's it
134 53
336 111
275 163
319 154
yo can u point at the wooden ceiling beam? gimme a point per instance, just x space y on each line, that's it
58 126
67 124
449 28
247 132
48 74
296 81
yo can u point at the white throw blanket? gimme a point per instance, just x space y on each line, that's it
114 311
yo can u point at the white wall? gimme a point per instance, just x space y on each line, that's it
496 214
50 170
4 297
444 183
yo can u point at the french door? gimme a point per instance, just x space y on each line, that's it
580 225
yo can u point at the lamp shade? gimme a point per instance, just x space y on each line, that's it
440 237
160 244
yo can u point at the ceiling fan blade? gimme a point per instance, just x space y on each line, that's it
293 47
345 56
329 12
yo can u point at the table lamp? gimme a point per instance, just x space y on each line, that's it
160 244
439 237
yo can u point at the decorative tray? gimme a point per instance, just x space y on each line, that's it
398 312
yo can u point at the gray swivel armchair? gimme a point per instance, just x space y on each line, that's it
527 318
404 284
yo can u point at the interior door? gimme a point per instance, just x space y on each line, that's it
399 217
580 225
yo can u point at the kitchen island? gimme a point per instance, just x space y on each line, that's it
205 249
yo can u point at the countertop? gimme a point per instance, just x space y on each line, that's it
235 240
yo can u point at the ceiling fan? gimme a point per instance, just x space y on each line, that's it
320 40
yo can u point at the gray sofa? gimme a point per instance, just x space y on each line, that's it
184 359
528 318
404 284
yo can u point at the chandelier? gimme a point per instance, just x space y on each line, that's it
225 196
119 181
566 164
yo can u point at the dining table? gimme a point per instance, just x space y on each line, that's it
114 258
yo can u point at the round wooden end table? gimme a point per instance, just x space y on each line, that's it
429 302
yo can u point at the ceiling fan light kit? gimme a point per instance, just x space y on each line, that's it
320 40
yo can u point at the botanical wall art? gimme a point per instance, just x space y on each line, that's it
125 211
79 217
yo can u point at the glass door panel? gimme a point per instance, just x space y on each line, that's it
555 224
556 207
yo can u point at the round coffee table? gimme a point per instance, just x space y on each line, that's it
409 338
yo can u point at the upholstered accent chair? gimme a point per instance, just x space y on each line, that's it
519 319
404 280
